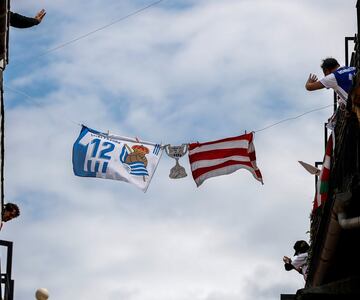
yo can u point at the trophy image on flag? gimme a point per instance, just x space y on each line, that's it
176 152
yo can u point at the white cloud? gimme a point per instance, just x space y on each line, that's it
176 73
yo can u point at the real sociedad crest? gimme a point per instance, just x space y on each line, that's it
134 159
177 152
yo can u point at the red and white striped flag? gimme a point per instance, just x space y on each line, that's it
223 157
322 187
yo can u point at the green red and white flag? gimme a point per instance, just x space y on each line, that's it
322 187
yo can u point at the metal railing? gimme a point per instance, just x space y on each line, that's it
7 283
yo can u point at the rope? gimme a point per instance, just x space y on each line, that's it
96 30
293 118
33 100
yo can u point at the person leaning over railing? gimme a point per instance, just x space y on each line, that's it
20 21
337 77
299 261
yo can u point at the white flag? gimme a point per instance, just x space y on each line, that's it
311 169
101 155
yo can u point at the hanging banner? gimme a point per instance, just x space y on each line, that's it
311 169
223 157
322 186
101 155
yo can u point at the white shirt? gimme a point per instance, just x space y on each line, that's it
329 81
340 81
300 262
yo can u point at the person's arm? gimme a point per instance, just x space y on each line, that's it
313 83
20 21
287 264
290 265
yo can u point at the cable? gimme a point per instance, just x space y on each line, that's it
98 29
32 100
293 118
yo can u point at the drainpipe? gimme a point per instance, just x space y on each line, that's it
341 201
328 250
338 221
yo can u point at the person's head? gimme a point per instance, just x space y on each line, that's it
301 247
329 65
10 211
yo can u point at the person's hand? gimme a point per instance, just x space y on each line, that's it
40 15
286 260
312 78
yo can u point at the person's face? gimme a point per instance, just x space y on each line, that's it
8 215
326 72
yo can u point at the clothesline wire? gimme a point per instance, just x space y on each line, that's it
32 100
293 118
97 29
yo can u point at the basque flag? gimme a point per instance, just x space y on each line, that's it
322 186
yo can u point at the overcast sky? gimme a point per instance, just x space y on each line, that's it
181 71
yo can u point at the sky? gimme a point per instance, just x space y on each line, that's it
178 72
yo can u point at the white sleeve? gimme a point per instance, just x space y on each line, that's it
299 260
329 81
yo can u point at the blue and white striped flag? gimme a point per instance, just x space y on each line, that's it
97 154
